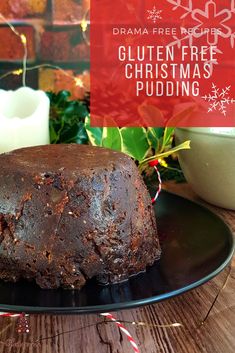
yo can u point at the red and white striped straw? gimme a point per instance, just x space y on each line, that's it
124 330
154 165
9 315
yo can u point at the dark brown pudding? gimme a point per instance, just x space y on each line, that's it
72 212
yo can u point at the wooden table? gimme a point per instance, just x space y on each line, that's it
217 335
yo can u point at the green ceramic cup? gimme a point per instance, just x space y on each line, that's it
209 166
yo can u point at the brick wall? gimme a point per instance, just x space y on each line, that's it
54 36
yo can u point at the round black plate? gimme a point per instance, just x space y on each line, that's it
196 246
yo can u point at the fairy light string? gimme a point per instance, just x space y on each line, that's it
84 26
23 40
109 318
23 71
77 80
217 296
123 330
120 324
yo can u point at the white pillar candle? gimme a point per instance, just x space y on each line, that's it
24 119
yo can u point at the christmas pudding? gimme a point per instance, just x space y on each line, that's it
69 213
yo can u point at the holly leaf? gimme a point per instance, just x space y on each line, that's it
75 134
183 146
53 133
112 138
182 113
168 132
154 136
150 115
135 142
67 119
95 134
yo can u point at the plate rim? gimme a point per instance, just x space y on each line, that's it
134 303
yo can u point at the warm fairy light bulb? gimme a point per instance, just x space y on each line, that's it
17 72
84 25
78 82
163 163
23 39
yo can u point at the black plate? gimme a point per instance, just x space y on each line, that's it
196 245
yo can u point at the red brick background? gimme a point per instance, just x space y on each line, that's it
11 47
54 36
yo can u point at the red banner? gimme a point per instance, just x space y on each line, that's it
165 62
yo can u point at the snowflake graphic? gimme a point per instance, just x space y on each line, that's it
154 14
210 14
219 99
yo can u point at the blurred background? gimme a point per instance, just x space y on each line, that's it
56 32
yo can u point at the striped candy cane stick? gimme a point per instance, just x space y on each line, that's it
124 330
154 165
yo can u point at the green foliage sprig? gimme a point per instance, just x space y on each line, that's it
142 144
67 118
70 123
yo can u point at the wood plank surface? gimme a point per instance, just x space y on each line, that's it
91 334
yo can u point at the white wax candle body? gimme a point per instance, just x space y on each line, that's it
24 119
